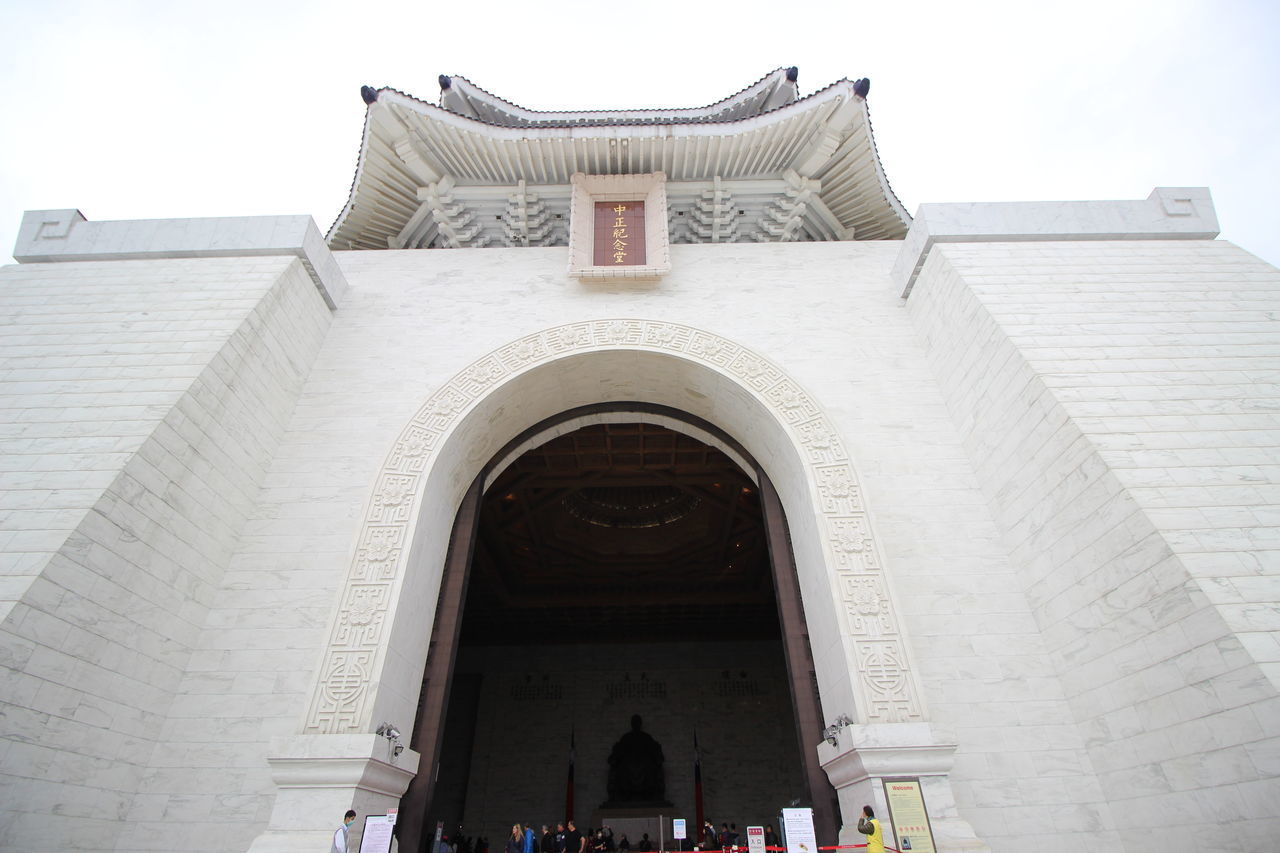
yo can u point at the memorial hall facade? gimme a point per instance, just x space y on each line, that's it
676 413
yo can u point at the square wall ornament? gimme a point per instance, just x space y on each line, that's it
618 227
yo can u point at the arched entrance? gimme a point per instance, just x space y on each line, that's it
612 545
381 629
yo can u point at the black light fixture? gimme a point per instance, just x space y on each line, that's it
392 734
831 734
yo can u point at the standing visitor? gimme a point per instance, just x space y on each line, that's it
340 836
515 841
573 840
869 826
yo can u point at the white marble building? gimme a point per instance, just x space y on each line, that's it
1028 456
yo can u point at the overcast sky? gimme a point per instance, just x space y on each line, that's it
131 110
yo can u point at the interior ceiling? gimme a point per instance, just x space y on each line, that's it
620 533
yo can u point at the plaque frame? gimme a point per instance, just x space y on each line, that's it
649 188
931 844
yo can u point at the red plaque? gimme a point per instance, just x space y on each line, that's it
619 234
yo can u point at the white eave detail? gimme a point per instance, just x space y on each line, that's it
409 145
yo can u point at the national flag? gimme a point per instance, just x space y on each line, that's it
697 788
568 790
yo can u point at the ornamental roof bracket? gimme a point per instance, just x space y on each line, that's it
714 215
526 220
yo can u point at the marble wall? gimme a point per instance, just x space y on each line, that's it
143 402
1119 402
1065 453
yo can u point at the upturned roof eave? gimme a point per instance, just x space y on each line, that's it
774 78
389 98
592 122
362 158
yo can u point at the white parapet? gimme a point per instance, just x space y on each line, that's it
50 236
1169 213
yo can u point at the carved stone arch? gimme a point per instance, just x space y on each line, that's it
429 732
373 660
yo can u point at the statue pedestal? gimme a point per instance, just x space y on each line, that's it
635 821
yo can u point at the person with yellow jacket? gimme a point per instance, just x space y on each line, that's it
870 827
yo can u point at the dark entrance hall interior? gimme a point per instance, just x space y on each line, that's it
617 569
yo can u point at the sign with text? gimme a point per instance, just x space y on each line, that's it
677 828
755 839
619 234
908 815
376 837
797 826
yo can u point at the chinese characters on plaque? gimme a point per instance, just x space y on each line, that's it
619 234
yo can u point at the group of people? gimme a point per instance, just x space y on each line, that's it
459 843
567 838
727 837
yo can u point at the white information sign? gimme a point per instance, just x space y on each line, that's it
376 837
798 826
755 839
677 829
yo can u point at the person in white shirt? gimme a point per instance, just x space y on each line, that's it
340 835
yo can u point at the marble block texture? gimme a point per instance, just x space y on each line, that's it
1063 455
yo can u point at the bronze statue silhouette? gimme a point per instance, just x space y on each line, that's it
635 770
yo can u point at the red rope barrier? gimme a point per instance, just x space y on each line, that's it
741 849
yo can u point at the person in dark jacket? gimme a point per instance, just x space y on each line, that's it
869 826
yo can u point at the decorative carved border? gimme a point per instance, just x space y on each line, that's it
885 688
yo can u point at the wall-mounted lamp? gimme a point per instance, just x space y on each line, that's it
392 734
831 734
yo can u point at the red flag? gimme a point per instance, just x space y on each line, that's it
568 790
